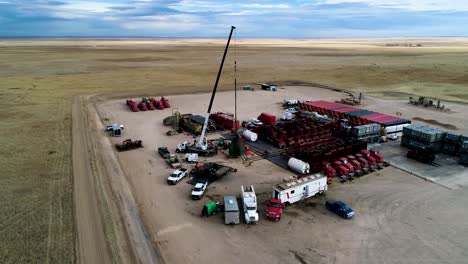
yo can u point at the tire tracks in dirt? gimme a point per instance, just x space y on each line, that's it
109 226
91 241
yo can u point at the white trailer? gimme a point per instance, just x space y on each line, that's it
297 190
249 202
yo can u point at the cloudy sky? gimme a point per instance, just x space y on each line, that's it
212 18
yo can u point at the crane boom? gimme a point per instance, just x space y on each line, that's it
207 117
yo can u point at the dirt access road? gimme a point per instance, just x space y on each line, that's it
109 229
399 218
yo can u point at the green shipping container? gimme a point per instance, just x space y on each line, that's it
247 88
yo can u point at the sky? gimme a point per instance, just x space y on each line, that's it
213 18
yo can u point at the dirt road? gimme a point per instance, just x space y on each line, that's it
91 242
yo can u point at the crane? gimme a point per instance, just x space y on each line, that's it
202 144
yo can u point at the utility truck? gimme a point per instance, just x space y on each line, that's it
186 147
300 189
176 176
249 201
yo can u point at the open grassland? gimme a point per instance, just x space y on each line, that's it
39 78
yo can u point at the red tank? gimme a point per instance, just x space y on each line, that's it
158 104
142 106
150 106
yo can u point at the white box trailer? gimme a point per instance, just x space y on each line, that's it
297 190
231 210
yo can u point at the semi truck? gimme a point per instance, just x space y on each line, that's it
300 189
249 202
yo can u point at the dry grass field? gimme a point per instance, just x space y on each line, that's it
39 78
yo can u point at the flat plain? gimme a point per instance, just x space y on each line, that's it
38 79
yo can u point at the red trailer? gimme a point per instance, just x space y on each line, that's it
142 106
132 105
157 103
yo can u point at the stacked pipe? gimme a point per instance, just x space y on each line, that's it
464 151
369 133
423 137
452 143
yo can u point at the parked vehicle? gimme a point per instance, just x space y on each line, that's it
249 202
375 153
128 144
198 190
115 130
249 124
164 152
186 147
231 210
372 162
357 166
176 176
173 161
210 209
291 102
340 208
274 209
364 163
344 162
342 171
295 191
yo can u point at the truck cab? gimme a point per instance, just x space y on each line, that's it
249 201
364 163
375 153
372 162
341 170
348 165
274 210
182 147
356 164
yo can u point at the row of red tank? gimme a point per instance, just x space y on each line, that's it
148 104
295 133
354 165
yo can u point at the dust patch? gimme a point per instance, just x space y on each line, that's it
437 123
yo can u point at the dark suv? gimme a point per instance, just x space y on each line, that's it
340 208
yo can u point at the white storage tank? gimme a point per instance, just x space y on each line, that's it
249 135
299 165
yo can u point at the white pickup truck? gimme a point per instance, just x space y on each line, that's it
176 176
198 190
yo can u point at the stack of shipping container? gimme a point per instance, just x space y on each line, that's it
369 133
393 125
452 143
423 137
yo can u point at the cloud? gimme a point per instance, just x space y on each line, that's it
414 5
212 18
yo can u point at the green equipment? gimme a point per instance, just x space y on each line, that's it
146 100
210 209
